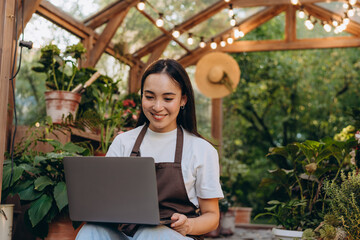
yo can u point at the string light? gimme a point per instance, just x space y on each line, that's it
190 40
176 33
160 21
202 43
335 23
231 11
141 5
222 42
233 21
213 44
308 24
351 11
327 27
352 2
229 40
301 14
345 5
346 20
294 2
227 1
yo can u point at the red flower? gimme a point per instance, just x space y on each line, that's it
129 103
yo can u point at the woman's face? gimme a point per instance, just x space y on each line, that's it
161 102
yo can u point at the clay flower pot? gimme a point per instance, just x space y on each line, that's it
60 104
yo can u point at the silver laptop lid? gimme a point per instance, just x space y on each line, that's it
112 189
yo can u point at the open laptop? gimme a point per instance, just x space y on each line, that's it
112 189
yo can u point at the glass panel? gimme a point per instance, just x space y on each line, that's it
136 31
173 50
338 8
81 9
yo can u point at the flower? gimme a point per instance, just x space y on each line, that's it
129 103
357 136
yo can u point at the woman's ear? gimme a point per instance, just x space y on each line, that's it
183 100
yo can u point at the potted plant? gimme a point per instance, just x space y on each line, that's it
302 205
38 179
61 71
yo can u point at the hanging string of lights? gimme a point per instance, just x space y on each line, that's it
310 22
339 26
190 39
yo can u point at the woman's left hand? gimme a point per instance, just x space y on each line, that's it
182 224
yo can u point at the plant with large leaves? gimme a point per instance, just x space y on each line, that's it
39 180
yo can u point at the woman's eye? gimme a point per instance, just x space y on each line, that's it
168 99
149 97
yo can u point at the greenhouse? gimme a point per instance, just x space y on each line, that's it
259 102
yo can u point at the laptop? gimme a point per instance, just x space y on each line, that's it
112 189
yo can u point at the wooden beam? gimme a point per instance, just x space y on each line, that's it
7 44
134 78
70 24
29 9
326 15
217 122
275 45
108 12
246 26
105 38
188 24
290 23
263 3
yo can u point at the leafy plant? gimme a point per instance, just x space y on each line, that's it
345 202
38 179
312 163
55 65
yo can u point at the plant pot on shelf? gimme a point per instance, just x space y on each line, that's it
60 104
286 234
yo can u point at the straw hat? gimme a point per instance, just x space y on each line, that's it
217 74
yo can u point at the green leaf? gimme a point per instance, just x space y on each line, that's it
42 182
18 171
39 159
274 202
60 195
29 194
39 209
73 148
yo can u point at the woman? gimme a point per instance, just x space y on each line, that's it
188 184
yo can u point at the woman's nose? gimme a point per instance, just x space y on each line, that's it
158 105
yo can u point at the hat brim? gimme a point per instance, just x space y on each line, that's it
226 63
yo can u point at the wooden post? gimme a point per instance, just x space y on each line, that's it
217 122
7 28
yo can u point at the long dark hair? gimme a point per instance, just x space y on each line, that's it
186 117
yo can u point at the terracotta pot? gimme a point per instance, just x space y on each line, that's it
61 104
62 229
99 154
227 222
242 214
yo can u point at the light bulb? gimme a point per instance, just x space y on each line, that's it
238 33
335 23
309 25
202 43
141 5
345 5
160 21
231 11
213 45
233 21
346 20
230 40
176 34
351 12
301 14
222 43
342 27
294 2
227 0
352 2
190 40
327 27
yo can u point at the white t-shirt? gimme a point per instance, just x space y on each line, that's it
200 161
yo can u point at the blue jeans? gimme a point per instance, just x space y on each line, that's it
94 231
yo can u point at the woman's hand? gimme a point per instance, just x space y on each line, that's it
182 224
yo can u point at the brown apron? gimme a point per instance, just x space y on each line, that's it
172 193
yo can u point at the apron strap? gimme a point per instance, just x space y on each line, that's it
136 149
179 144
